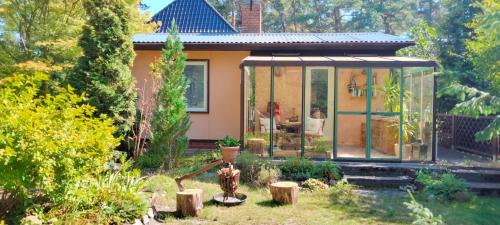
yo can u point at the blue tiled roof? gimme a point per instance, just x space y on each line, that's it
192 16
277 38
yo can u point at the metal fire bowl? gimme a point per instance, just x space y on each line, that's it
230 201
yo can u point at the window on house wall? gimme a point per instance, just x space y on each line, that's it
196 73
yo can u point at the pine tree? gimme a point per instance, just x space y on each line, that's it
170 118
103 71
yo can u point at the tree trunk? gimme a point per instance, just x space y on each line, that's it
190 202
285 192
294 14
337 18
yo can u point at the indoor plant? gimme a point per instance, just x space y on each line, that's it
229 147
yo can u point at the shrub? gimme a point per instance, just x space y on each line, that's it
256 171
302 169
170 117
103 72
443 186
268 174
420 214
327 171
297 169
48 142
110 198
342 193
313 185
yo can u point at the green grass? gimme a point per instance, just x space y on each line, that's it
317 208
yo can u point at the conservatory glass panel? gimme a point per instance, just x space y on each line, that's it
417 114
319 112
385 113
287 111
258 124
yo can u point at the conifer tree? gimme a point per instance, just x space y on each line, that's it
170 118
103 71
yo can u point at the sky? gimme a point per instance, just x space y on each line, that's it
156 5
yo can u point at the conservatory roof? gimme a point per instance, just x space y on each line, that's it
341 61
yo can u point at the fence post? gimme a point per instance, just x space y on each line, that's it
452 132
497 149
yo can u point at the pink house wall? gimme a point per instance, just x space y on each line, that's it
224 77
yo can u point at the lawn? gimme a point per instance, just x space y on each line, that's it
317 207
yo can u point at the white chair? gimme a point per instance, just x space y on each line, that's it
314 128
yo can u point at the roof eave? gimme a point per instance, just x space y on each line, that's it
394 46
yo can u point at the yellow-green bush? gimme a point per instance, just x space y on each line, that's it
112 197
49 141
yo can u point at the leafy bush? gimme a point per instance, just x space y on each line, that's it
48 142
327 171
256 171
313 185
228 141
342 193
420 214
110 198
443 186
302 169
297 169
268 174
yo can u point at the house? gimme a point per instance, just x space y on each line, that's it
319 95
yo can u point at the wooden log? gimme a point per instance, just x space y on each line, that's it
285 192
190 202
256 145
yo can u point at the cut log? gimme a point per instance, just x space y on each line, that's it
285 192
190 202
256 146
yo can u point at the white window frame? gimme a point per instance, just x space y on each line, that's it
205 65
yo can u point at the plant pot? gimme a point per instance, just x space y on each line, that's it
229 153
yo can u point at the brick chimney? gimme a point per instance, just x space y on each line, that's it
251 16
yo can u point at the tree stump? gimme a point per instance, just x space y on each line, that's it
285 192
190 202
256 145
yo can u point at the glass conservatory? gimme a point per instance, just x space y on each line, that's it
341 108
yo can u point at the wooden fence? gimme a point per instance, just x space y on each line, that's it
457 132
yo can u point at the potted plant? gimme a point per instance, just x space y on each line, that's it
229 147
410 129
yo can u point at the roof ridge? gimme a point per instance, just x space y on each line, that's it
192 16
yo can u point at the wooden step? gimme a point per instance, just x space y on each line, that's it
379 181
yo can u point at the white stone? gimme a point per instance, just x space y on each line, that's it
137 222
32 220
151 213
145 219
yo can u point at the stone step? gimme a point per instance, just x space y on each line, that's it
485 188
379 170
379 181
473 175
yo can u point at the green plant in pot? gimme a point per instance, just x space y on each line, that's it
229 147
392 90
